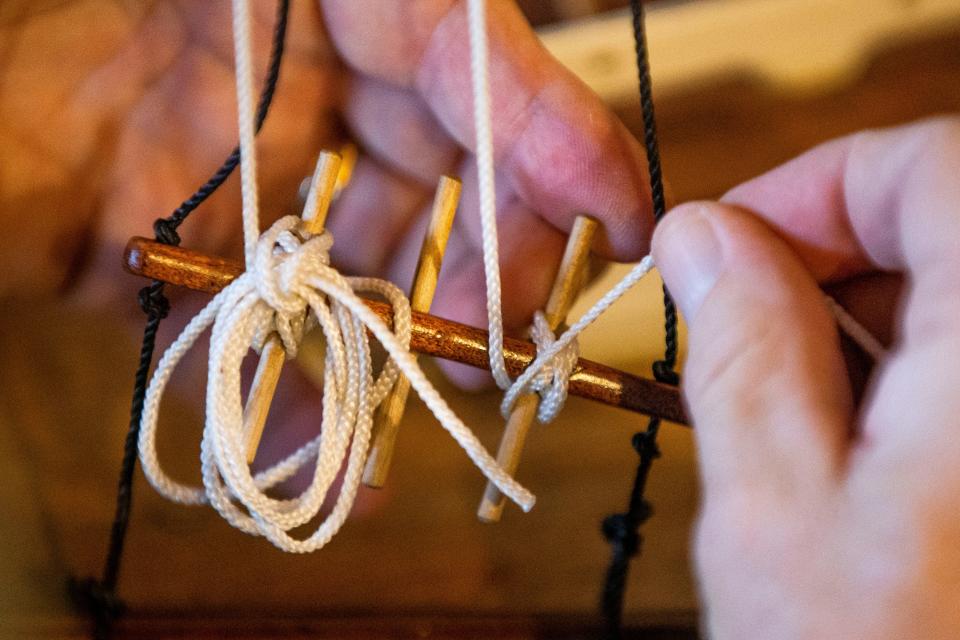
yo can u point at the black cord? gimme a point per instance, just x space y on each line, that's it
622 530
99 597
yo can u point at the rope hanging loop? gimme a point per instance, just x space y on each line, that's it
291 279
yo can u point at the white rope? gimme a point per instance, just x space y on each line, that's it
480 81
551 381
288 279
243 62
550 377
290 276
856 331
524 383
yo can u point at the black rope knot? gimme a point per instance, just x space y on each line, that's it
663 372
153 302
645 444
621 530
91 595
166 232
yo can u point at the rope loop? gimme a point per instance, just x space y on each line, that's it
663 372
621 530
290 279
552 377
645 444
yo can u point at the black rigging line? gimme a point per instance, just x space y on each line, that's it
622 530
99 597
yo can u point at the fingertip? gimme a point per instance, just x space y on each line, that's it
466 377
688 254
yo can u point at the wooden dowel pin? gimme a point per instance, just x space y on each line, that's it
432 336
567 284
390 412
272 356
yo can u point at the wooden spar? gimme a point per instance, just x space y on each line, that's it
431 335
570 277
386 422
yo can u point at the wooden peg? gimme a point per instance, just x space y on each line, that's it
389 413
566 286
349 154
272 356
326 179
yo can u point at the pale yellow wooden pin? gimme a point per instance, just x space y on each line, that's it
570 279
323 188
387 419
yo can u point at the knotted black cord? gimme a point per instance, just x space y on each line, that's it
99 597
622 529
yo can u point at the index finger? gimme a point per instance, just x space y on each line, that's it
557 146
877 200
887 200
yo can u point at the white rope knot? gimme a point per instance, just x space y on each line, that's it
552 375
290 279
283 259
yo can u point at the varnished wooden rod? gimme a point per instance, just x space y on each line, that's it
431 335
386 423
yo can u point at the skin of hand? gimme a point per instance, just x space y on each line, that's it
147 110
825 515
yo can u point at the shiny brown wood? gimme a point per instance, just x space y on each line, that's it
431 335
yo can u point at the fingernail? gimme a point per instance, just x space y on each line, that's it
688 255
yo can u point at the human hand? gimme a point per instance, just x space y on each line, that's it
825 515
112 113
146 114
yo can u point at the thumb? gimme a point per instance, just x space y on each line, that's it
765 380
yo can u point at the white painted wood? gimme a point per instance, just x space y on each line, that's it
795 45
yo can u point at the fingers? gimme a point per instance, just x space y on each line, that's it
372 216
886 200
765 380
395 126
558 148
883 199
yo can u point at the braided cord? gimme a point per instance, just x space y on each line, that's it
99 596
622 529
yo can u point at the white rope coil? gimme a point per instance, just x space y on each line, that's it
289 282
290 277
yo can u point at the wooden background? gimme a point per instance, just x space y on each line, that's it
415 562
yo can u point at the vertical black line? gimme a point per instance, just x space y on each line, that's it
99 596
622 529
